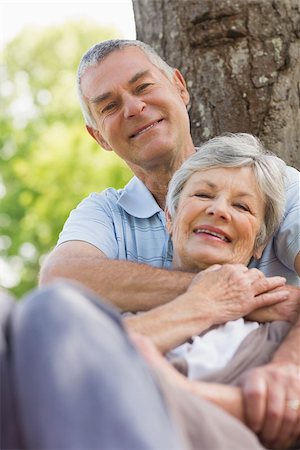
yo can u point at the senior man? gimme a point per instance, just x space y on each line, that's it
116 242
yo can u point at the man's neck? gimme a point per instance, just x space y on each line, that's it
157 178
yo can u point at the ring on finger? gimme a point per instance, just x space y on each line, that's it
293 404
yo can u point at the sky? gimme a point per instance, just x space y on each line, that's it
15 15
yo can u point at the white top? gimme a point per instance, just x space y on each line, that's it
214 349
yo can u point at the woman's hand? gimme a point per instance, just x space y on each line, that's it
231 291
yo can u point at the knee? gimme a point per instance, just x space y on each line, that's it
62 306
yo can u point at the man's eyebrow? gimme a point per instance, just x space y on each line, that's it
138 75
102 97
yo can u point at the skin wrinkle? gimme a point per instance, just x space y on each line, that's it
226 190
148 154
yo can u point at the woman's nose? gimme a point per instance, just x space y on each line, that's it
220 209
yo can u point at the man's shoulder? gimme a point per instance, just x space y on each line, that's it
109 195
292 178
292 190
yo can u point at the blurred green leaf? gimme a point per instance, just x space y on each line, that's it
48 163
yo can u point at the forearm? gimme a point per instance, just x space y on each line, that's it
228 398
172 324
213 298
126 285
289 350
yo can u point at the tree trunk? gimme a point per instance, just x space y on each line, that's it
241 61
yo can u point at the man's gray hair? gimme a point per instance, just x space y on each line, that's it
238 150
96 54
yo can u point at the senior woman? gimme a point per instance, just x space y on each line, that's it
223 205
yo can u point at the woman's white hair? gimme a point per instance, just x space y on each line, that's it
96 54
238 150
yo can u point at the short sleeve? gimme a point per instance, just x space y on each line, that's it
287 240
92 222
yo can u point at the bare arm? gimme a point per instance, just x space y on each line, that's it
226 397
297 264
127 285
270 388
214 297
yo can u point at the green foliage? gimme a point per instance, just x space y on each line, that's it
48 163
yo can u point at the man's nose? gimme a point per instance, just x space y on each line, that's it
220 209
133 106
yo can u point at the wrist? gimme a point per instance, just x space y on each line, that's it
194 312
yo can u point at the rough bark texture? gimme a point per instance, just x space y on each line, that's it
241 61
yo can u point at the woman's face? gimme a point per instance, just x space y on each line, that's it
219 215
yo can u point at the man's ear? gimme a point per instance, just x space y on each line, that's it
169 223
180 83
98 137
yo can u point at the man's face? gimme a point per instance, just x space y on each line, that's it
140 113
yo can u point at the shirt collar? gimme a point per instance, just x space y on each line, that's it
137 200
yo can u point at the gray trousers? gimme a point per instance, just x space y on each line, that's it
71 379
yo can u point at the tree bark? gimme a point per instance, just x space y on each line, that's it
241 61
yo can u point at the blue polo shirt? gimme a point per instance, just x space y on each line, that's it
124 224
128 224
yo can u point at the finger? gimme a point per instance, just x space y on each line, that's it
289 430
263 284
254 394
256 274
271 298
275 411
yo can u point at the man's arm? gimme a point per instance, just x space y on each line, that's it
287 310
297 264
127 285
268 390
213 298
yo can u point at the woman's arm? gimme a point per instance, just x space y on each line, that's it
226 397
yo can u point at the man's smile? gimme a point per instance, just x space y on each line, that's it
145 128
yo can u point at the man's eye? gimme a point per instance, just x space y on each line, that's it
108 107
143 86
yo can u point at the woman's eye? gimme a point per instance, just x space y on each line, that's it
202 195
242 207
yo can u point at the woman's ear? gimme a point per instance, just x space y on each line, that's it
169 223
259 251
98 138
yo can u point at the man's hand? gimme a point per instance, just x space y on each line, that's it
286 310
272 403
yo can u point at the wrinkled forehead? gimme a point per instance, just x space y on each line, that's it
238 181
116 69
